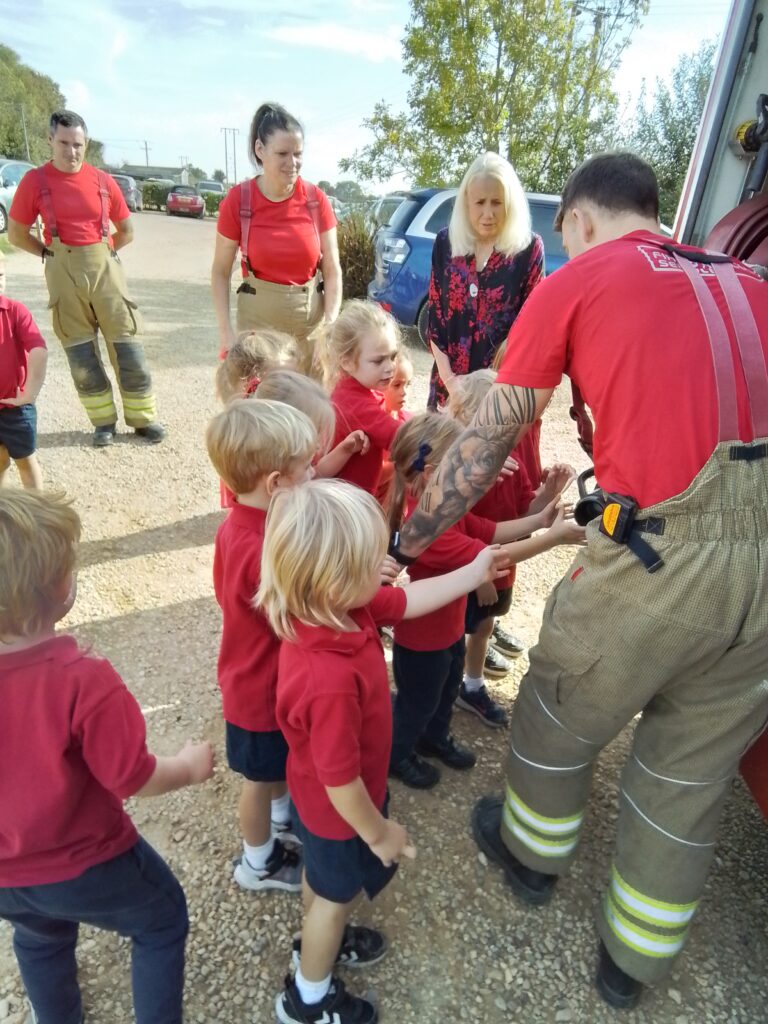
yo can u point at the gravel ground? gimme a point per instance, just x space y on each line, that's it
462 948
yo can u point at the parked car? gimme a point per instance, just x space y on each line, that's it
131 192
185 200
382 211
403 250
215 187
11 173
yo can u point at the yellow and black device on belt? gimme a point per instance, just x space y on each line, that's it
617 514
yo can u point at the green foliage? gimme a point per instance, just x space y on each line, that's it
326 187
665 125
213 201
5 245
219 176
355 255
154 195
196 174
530 79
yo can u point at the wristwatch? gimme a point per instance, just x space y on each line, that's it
394 551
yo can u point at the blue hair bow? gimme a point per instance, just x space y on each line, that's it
420 461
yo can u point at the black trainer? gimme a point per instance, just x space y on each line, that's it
495 664
482 704
338 1007
505 642
360 947
451 753
415 772
153 432
104 435
616 987
533 887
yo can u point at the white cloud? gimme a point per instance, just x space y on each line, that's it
355 42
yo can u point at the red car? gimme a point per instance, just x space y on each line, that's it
183 199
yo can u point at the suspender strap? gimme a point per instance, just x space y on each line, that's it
106 202
245 221
725 378
46 202
578 412
750 348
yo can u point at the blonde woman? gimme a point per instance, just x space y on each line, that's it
484 266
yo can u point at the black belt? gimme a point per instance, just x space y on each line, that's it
748 453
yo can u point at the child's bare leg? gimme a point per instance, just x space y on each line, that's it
477 648
5 462
254 812
321 935
30 473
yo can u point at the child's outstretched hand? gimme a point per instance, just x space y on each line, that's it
21 398
509 468
548 514
489 565
356 443
565 529
393 844
199 759
486 595
390 570
556 478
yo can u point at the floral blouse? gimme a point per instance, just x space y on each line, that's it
471 311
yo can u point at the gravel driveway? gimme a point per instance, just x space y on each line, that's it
462 948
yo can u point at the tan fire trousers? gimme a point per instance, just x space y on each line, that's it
685 648
295 309
88 293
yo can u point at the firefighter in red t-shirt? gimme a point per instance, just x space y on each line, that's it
85 279
663 614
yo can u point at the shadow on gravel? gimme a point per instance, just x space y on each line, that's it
198 531
177 334
84 439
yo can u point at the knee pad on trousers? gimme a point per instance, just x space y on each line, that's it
132 364
86 369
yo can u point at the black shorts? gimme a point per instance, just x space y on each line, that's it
258 756
475 613
338 869
18 430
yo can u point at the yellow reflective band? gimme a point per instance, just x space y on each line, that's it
637 938
544 847
97 401
541 824
665 915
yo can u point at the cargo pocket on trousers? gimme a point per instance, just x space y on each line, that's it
577 665
58 330
133 315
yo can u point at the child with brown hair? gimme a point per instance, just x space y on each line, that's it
72 749
320 588
428 652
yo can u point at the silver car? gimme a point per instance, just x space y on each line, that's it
11 173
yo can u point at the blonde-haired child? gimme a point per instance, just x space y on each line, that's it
307 395
256 448
249 359
72 749
510 497
363 343
428 653
320 589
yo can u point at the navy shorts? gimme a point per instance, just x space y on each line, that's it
475 613
258 756
18 430
338 869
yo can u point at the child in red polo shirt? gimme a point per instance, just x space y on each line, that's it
323 549
72 749
23 358
428 653
362 348
255 447
511 497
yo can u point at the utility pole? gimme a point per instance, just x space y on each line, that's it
235 131
226 154
146 151
24 127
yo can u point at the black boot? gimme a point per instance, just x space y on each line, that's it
534 887
616 987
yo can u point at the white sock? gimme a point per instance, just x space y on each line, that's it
281 809
473 685
257 856
312 991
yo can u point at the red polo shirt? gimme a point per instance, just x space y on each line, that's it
457 546
76 203
623 321
72 748
249 649
509 498
18 336
360 408
283 243
334 709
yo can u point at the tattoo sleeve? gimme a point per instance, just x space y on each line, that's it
471 465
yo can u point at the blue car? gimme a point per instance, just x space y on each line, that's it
403 250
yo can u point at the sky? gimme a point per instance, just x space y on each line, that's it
173 73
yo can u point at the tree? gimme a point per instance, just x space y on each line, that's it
665 126
38 95
530 79
219 175
196 174
326 187
348 192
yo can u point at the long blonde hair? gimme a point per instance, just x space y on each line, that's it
515 232
468 395
421 441
253 355
322 544
342 340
